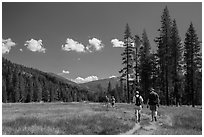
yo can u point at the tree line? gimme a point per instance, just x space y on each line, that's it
174 70
23 84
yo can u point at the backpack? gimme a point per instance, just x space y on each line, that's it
153 99
138 101
113 99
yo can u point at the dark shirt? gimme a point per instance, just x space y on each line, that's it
153 98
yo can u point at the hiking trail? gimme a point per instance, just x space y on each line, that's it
146 127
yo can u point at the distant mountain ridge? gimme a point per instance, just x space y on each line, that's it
63 79
93 85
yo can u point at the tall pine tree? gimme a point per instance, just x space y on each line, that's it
137 43
127 58
145 66
164 43
175 62
154 76
192 57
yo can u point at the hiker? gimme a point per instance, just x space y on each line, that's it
138 101
107 101
153 103
113 101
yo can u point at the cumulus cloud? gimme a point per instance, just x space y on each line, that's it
73 45
65 71
112 77
94 44
84 80
6 45
117 43
35 45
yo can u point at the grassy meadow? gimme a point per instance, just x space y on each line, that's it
94 119
185 120
64 118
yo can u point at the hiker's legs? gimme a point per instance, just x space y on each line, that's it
152 111
139 115
113 104
136 115
153 108
152 115
155 115
107 104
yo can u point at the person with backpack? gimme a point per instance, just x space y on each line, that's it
153 104
113 101
138 101
107 101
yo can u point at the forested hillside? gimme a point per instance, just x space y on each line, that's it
103 83
23 84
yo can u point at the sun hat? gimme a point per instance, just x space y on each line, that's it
152 89
137 92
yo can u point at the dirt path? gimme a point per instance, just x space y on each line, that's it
133 130
146 127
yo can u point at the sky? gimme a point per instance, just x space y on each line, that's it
82 41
